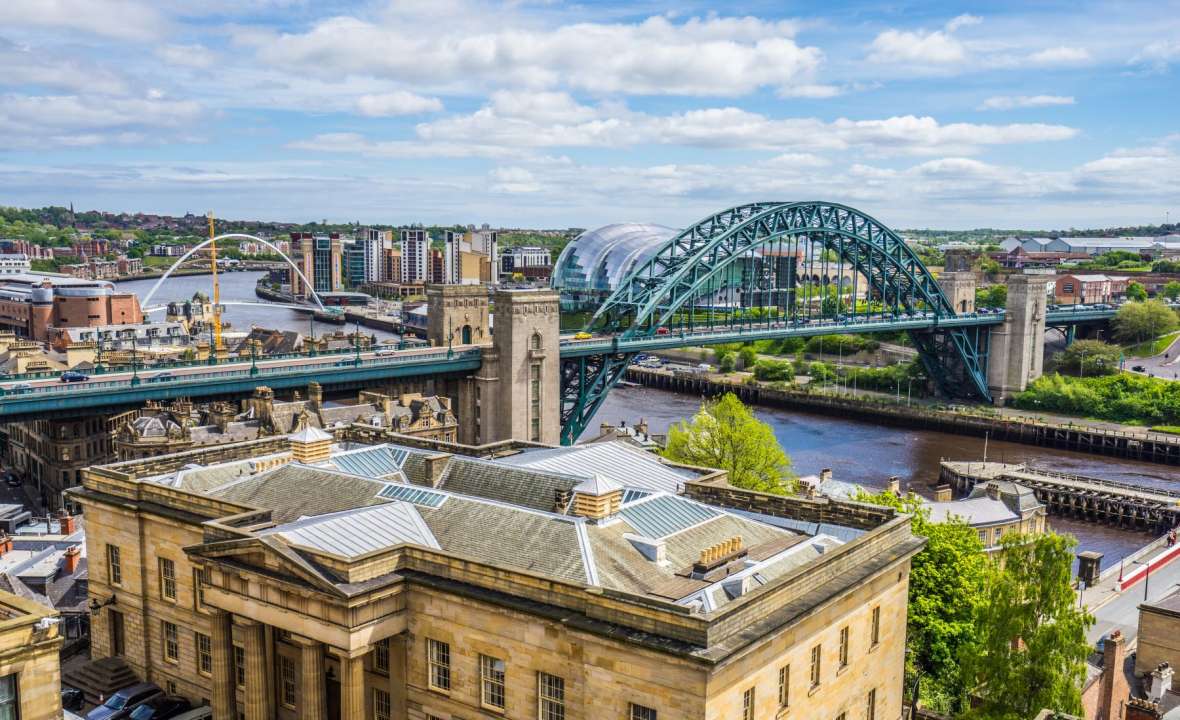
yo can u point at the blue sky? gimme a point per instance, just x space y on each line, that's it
548 114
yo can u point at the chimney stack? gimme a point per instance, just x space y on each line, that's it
894 485
315 395
68 524
942 493
5 544
1114 688
1161 682
72 556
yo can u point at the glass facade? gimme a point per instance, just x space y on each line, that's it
590 267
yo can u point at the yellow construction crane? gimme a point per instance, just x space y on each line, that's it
216 349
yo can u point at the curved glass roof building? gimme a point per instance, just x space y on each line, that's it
590 267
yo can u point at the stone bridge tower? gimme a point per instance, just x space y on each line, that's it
959 288
457 315
1017 348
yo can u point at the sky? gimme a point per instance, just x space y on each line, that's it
1037 115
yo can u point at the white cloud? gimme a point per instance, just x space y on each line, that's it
1010 102
514 180
922 47
38 122
194 56
396 103
1158 54
354 143
124 19
709 56
1060 55
521 121
25 65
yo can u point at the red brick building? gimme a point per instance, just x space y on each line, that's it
31 304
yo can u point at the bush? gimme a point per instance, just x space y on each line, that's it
727 363
821 372
1139 321
749 357
1121 398
840 344
771 370
1089 357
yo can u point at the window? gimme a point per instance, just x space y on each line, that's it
639 712
491 682
381 656
199 581
550 697
382 704
204 654
167 579
170 687
748 704
843 647
535 403
114 565
871 705
1067 288
438 662
784 686
875 627
816 661
842 716
9 700
171 642
239 666
287 681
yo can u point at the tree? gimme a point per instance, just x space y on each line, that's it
1171 290
946 585
1031 650
1136 291
1088 358
1140 321
993 296
749 356
724 434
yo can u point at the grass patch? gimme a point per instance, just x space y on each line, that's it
1151 348
1170 429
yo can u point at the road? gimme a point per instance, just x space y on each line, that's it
1165 365
1122 611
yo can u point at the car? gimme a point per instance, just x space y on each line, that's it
12 480
662 331
582 336
1138 368
162 377
203 712
161 707
387 350
120 704
72 698
73 376
19 387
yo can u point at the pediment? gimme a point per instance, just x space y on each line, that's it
267 557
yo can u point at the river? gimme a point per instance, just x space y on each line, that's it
868 454
235 287
856 451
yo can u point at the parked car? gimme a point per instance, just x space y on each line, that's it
72 698
12 480
161 707
1138 368
73 376
200 713
120 704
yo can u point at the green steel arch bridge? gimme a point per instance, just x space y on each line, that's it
738 275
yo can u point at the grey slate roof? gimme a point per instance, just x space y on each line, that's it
619 461
381 461
294 491
535 489
352 533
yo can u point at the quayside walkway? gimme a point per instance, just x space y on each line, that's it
1077 496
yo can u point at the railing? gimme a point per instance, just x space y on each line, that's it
92 387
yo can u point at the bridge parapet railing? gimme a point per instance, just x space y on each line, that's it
1102 483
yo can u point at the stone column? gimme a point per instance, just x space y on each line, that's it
258 705
224 700
352 682
311 679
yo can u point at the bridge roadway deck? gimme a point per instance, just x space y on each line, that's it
1032 477
23 398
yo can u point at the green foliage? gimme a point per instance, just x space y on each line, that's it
1166 266
1089 357
890 378
821 372
1124 397
781 346
1171 290
774 370
1139 321
947 579
726 435
727 363
749 356
1031 650
1136 291
1115 257
840 344
1169 429
993 296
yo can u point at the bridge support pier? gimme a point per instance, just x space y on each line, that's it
1017 346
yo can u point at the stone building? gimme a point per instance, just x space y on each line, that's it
165 429
312 576
48 454
993 509
30 672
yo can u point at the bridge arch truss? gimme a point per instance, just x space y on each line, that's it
764 255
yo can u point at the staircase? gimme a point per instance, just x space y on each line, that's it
99 678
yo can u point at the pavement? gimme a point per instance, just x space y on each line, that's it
1165 365
1114 610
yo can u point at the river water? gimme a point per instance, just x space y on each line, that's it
856 451
235 287
868 454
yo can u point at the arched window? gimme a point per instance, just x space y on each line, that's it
466 334
535 341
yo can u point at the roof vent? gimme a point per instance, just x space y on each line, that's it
652 549
717 555
597 497
310 445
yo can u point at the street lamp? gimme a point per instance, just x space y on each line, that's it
1146 576
134 362
253 357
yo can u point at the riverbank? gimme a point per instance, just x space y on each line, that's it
1147 447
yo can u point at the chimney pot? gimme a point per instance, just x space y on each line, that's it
72 556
